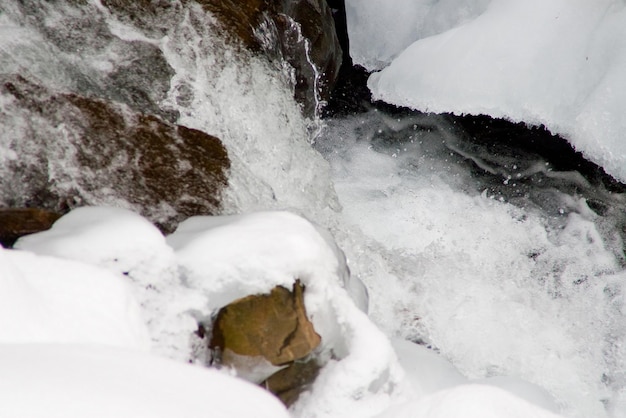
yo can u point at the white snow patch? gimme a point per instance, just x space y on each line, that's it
128 245
75 381
469 401
45 299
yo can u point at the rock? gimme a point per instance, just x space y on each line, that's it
288 383
66 150
137 74
17 222
273 326
301 32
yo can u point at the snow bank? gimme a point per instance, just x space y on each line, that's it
71 381
128 245
469 401
560 63
45 299
229 257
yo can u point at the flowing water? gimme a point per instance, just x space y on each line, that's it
497 259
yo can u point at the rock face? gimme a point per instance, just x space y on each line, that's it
82 151
301 32
17 222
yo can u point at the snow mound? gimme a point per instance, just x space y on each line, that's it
469 401
558 63
71 381
128 245
45 299
229 257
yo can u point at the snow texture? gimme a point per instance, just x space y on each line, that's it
45 299
65 380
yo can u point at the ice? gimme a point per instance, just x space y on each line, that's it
398 23
65 381
556 63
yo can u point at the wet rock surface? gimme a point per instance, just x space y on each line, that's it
81 151
301 33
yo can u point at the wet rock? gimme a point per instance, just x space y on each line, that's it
273 327
65 150
300 32
17 222
137 73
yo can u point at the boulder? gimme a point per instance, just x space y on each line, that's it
288 383
17 222
273 326
300 32
65 150
268 339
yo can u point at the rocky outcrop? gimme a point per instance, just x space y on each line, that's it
300 32
17 222
74 150
257 333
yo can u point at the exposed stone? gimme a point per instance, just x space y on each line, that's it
272 326
298 31
288 383
17 222
70 151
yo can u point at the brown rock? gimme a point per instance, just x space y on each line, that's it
17 222
273 326
74 150
297 31
288 383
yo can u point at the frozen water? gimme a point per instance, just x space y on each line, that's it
556 63
129 246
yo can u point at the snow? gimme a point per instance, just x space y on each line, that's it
557 63
127 245
77 380
469 401
49 300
